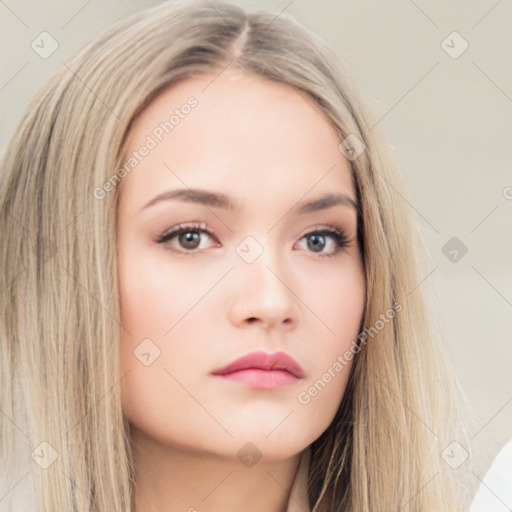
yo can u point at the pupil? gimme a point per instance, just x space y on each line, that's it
316 242
189 240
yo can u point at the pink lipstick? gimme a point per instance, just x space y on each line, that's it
262 370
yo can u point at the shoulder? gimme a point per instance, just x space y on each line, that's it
495 492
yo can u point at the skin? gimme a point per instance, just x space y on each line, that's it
267 148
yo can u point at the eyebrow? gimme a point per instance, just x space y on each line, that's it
190 195
218 200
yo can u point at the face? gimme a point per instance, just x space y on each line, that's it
236 235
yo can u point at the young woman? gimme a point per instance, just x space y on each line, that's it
210 284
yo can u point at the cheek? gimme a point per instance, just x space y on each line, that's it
339 307
153 361
338 302
154 295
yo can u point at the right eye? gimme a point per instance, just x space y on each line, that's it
189 239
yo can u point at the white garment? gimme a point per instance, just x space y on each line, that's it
495 492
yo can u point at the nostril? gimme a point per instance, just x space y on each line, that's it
252 320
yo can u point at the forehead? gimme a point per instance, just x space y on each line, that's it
244 134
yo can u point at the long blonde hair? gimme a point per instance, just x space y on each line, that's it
60 328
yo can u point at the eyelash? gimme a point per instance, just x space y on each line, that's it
337 234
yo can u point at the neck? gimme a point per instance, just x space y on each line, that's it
172 479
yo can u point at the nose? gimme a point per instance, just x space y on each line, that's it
263 296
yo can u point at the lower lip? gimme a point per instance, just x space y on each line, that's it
262 379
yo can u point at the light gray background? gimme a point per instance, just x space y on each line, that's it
449 120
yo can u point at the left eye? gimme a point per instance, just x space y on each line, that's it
326 242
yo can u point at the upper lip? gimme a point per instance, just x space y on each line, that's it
263 361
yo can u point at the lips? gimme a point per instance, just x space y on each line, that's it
276 362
